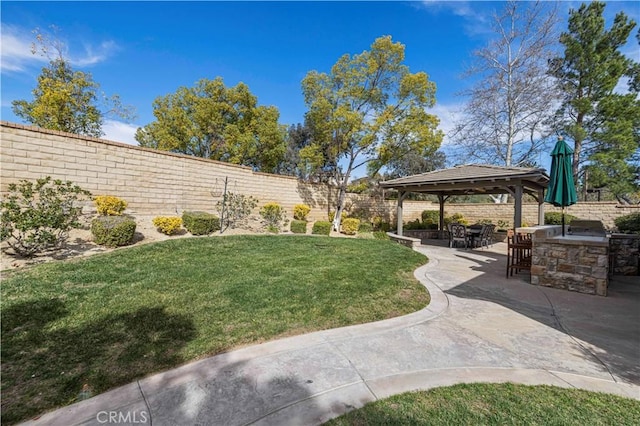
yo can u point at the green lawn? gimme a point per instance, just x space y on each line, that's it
496 404
110 319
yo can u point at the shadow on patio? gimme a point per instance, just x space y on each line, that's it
607 329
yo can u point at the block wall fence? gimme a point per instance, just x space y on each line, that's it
161 183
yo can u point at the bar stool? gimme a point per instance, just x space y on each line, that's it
519 248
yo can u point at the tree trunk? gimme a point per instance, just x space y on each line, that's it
342 192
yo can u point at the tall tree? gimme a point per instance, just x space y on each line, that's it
413 164
298 136
64 99
601 122
216 122
503 122
370 108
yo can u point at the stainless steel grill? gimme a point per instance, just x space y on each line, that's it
591 228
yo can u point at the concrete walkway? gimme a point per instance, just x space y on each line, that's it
479 327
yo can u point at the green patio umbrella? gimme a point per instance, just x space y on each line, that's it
562 190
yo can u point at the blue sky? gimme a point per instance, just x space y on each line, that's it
142 50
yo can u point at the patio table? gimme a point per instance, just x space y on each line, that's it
472 233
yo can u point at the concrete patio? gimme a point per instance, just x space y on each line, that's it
479 327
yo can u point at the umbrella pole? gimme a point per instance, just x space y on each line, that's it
563 221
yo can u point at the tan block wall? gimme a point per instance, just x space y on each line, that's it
604 211
162 183
152 182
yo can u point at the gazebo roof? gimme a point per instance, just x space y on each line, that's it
473 179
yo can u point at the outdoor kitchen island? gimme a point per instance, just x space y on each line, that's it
571 262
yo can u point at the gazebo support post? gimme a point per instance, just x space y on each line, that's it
401 195
441 200
517 217
541 207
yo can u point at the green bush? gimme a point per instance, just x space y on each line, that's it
299 226
365 227
380 225
38 216
113 231
456 218
321 227
273 214
109 205
430 218
555 218
414 224
168 225
628 224
301 211
350 225
200 223
380 235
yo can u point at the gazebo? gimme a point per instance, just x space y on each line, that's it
474 179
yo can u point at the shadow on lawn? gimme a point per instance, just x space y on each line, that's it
45 364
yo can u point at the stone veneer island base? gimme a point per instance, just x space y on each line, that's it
573 262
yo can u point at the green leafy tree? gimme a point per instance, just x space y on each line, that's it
368 110
216 122
413 164
67 100
602 122
298 136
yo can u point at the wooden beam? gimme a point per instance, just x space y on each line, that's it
541 207
401 195
517 216
441 200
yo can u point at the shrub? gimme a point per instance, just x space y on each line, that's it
168 225
300 211
628 224
273 214
38 216
321 227
200 223
456 218
414 224
379 224
236 209
113 231
365 227
380 235
555 218
108 205
430 218
299 226
350 225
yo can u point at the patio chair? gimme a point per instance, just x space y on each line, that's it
518 253
458 234
484 238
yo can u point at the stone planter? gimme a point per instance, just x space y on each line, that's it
422 234
499 236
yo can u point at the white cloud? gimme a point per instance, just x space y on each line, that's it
448 115
15 48
93 55
17 45
118 131
476 22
